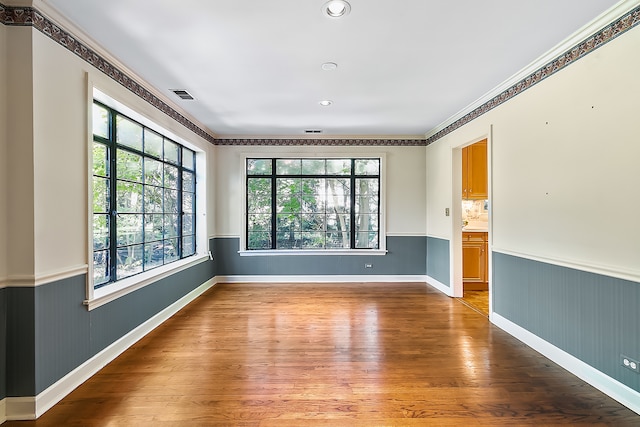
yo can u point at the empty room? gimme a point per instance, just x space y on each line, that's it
336 213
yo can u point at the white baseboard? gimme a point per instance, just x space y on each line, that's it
447 290
29 408
609 386
321 279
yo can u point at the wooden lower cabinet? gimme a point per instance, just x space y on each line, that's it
474 261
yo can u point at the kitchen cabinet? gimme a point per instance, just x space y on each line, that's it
474 171
475 261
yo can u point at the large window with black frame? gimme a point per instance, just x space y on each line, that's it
312 203
144 198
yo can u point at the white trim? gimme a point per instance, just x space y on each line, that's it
606 18
322 279
29 408
605 270
20 281
3 410
54 276
609 386
126 286
4 283
406 234
20 408
321 252
436 284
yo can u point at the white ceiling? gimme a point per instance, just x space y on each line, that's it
254 66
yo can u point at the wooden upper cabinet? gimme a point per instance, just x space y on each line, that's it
474 171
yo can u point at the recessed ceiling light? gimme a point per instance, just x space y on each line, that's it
329 66
336 8
325 103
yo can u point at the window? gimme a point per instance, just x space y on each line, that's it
144 198
300 203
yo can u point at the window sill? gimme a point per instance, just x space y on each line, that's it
106 294
321 252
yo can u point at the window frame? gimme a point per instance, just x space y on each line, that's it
381 250
95 297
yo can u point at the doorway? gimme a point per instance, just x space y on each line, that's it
475 227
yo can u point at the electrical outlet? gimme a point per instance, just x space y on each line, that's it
446 211
368 266
630 363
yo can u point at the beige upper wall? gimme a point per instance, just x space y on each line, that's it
61 102
3 154
565 165
405 189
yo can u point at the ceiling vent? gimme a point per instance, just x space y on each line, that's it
183 94
313 131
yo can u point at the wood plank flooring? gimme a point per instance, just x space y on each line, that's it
477 300
365 354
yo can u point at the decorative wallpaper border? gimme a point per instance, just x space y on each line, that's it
321 141
608 33
28 16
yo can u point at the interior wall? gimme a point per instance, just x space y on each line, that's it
564 156
404 175
563 206
4 182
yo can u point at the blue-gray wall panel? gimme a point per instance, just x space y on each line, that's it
406 256
50 332
21 346
61 329
119 317
438 260
3 343
590 316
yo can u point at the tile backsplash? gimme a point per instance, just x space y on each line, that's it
475 211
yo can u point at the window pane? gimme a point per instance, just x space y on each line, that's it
313 222
288 222
153 199
153 255
171 150
338 167
100 232
100 195
100 268
313 166
259 222
129 261
128 166
188 203
100 121
259 204
152 143
170 250
129 197
368 240
338 195
367 186
188 246
338 240
288 240
367 166
338 222
188 159
129 229
170 226
366 223
188 222
188 182
128 133
153 227
100 159
288 166
153 171
170 176
313 240
259 166
259 240
171 201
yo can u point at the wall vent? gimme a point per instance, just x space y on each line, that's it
313 131
183 94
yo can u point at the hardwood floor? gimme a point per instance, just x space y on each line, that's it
477 300
366 354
